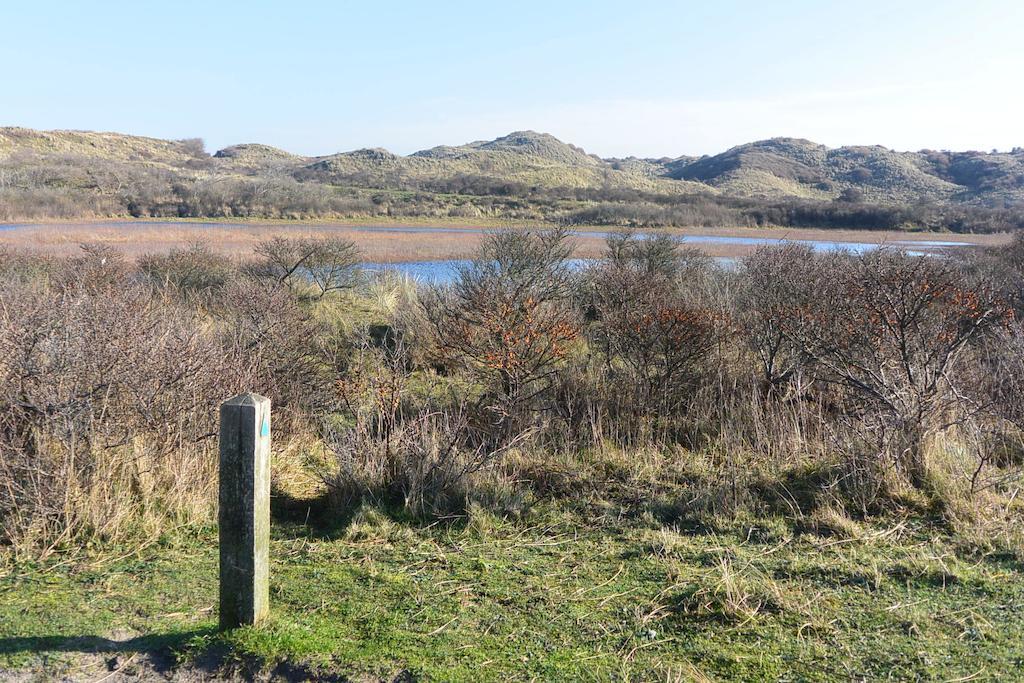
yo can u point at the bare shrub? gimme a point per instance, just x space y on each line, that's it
110 389
194 270
280 349
775 285
334 265
507 319
105 415
996 387
101 267
330 263
1001 375
652 334
894 331
26 269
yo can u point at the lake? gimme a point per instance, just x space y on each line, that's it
426 266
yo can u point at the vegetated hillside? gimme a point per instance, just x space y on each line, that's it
997 177
529 158
788 167
105 146
521 176
258 157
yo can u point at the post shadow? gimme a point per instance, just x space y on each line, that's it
160 647
213 663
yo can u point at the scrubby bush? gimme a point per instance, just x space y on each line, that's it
329 264
507 319
111 380
194 270
653 332
894 331
820 386
778 283
105 413
278 344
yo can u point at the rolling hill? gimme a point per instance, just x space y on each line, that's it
521 157
113 174
789 167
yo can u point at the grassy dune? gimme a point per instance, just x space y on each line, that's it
524 176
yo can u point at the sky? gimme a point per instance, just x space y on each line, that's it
617 78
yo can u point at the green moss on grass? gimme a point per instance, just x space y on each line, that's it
561 595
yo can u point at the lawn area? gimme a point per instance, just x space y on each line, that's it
570 592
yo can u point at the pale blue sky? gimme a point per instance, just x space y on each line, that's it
618 78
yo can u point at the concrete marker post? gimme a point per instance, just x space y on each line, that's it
244 511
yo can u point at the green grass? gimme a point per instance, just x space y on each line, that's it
564 594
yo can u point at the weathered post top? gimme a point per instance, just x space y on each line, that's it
244 513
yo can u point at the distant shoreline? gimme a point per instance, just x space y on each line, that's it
836 234
390 244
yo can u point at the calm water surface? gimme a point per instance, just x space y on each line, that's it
440 272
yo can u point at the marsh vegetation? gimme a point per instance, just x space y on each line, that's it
653 400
